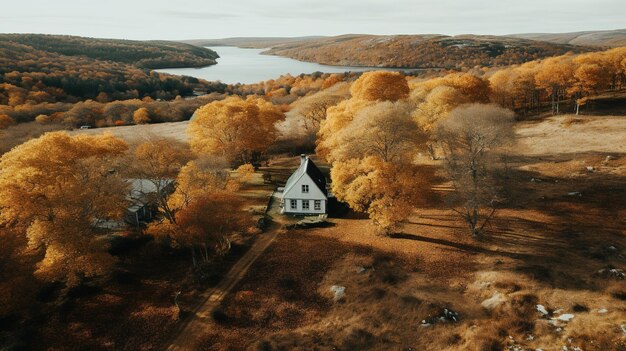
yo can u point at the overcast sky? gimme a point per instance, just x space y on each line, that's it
192 19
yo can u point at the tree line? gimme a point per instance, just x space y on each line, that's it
143 54
30 76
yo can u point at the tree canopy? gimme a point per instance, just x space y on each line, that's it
234 128
53 189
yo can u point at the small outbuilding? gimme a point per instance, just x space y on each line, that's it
305 192
143 199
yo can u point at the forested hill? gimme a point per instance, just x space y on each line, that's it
143 54
250 42
607 38
36 82
422 51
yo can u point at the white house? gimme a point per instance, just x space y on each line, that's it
305 191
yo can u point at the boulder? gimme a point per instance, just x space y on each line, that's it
339 291
494 301
565 317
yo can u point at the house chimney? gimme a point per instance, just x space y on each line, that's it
303 158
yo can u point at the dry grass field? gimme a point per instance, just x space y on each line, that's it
174 130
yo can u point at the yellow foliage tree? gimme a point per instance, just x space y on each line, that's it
337 118
435 98
384 129
555 75
54 189
239 130
245 172
203 211
203 226
199 177
370 140
436 106
380 86
589 78
141 116
388 192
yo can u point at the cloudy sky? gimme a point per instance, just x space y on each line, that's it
191 19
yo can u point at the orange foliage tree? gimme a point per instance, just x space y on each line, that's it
141 116
53 189
387 191
380 86
204 224
203 211
234 128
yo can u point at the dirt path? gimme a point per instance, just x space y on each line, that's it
202 321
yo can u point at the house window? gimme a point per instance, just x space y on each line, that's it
293 204
305 204
317 205
305 188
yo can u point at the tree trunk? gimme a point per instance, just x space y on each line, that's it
553 100
431 152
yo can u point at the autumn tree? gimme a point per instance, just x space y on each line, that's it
435 98
203 211
316 112
387 192
436 105
380 86
385 130
141 116
245 172
555 75
5 121
591 75
53 190
199 177
237 129
470 137
370 140
338 117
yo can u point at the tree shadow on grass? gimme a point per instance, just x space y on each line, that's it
474 249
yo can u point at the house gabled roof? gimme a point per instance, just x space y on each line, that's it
309 168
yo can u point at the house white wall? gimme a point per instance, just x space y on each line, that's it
295 193
300 206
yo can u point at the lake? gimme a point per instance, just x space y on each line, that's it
237 65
